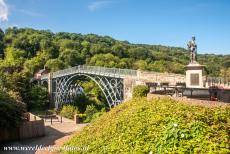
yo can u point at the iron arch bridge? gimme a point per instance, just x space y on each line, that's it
63 88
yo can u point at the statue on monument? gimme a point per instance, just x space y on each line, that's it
192 47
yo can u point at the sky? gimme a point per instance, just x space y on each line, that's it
164 22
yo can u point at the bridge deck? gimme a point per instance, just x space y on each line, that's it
95 70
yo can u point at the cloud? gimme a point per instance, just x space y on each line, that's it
98 4
4 12
30 13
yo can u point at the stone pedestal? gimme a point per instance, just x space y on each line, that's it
77 119
194 75
50 89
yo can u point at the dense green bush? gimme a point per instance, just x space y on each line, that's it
38 98
69 111
11 109
157 126
140 91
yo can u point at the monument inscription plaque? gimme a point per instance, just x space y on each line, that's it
194 79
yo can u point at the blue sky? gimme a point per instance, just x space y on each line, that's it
165 22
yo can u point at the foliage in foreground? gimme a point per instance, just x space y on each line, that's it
140 91
160 125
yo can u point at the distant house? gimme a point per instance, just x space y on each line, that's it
41 72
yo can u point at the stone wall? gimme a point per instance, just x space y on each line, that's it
129 83
34 127
160 77
30 129
143 77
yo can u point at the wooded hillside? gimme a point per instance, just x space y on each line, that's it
30 50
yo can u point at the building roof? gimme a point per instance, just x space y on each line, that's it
41 71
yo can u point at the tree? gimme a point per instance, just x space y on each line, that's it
141 64
158 66
101 48
125 63
14 57
54 65
106 60
119 50
138 53
71 57
11 109
34 64
39 98
1 43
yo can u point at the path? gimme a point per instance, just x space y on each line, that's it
56 135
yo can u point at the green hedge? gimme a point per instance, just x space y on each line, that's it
140 91
157 126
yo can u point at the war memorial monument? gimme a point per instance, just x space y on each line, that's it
194 71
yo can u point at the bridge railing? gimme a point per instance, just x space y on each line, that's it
97 70
217 81
108 71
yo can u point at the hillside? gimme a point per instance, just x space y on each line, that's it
161 125
30 50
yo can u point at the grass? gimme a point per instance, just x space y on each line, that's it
159 125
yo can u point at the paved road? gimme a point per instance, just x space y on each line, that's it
56 134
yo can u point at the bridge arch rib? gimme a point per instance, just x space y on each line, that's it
112 88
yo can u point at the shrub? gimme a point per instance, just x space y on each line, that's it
161 125
140 91
82 117
11 109
69 111
89 112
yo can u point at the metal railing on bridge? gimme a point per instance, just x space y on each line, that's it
95 70
217 81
